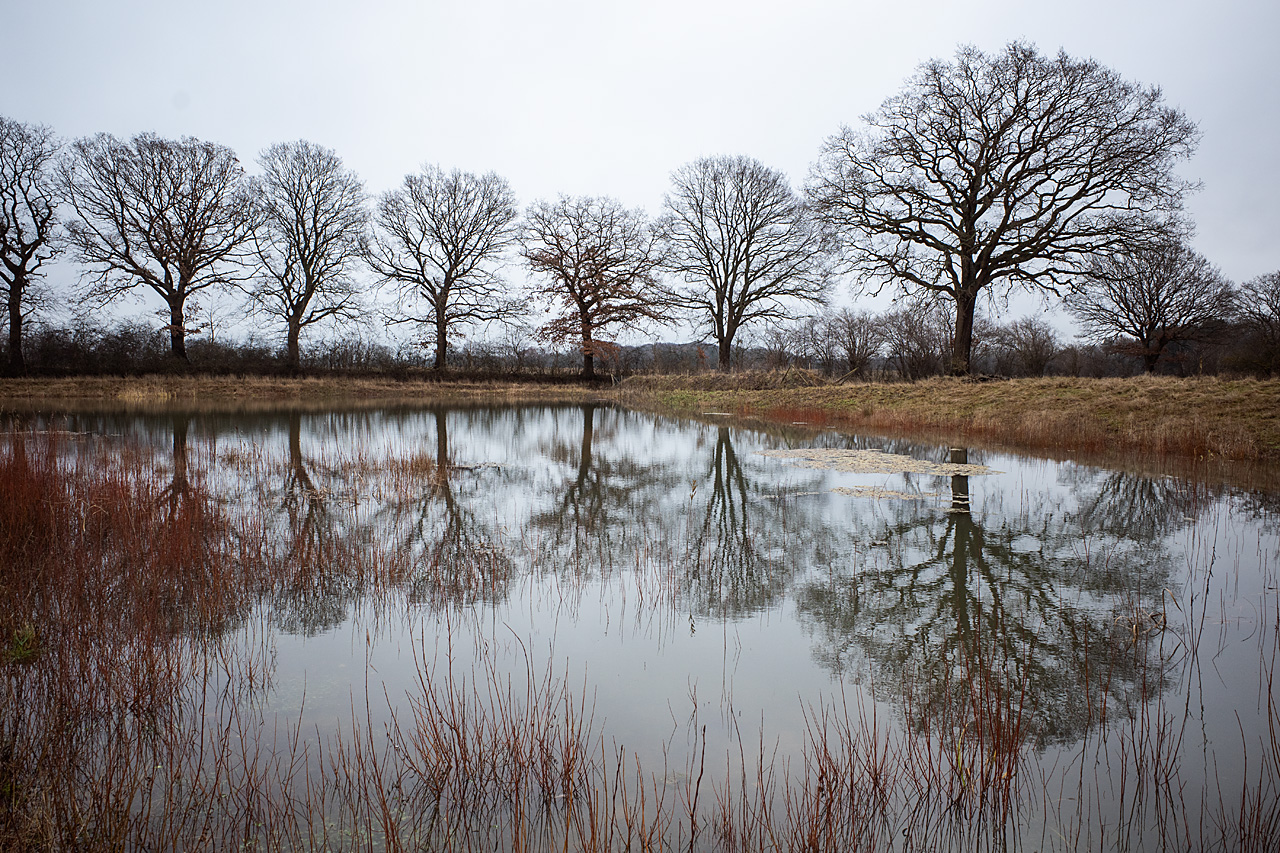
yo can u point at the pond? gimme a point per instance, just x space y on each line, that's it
589 628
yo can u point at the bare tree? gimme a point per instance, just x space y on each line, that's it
915 338
173 215
1025 347
780 345
598 260
29 233
439 236
310 236
859 336
516 345
1259 305
743 244
1003 171
816 341
1153 295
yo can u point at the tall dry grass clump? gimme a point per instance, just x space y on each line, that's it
738 380
112 576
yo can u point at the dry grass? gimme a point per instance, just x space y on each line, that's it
1201 418
222 390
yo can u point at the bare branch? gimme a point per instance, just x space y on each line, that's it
439 237
1001 171
1154 295
173 215
29 233
743 244
311 234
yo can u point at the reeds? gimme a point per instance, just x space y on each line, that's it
135 690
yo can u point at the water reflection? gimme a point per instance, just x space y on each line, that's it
1032 610
180 486
434 518
743 535
1138 508
1020 608
598 494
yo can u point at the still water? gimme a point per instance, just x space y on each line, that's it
1011 653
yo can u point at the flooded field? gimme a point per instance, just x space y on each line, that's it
587 628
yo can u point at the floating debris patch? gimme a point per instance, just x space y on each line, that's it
874 462
873 492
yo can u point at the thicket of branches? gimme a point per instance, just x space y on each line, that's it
905 342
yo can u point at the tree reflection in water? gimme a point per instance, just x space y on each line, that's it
454 554
999 621
749 537
319 586
960 614
603 504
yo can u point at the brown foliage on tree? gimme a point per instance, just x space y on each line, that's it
597 260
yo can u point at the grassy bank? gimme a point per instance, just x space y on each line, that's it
145 390
1201 418
1190 419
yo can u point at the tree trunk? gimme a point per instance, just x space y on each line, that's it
584 454
179 486
724 361
293 352
17 364
442 343
962 343
442 448
177 332
959 482
588 353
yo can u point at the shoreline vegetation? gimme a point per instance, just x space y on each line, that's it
1201 419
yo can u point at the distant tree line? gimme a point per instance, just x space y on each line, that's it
985 175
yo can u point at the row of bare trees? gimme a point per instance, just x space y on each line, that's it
984 175
182 219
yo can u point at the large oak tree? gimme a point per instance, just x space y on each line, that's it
1001 171
29 234
742 244
310 236
175 216
439 238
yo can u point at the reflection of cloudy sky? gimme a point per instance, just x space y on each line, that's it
584 97
1076 534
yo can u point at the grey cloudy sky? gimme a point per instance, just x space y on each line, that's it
602 98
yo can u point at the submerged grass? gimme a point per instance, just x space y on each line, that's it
141 719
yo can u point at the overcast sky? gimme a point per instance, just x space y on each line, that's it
600 98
